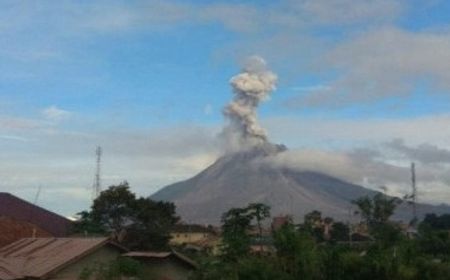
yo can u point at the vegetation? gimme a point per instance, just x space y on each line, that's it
308 251
319 248
136 222
117 269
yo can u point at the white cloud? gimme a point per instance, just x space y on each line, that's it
358 167
208 109
55 114
333 132
384 63
348 11
64 162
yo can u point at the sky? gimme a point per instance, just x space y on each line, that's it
363 90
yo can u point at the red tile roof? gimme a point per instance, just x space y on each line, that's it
39 257
19 209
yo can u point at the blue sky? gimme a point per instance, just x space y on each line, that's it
147 80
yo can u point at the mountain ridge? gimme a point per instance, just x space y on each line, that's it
236 179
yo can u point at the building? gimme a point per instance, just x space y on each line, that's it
55 258
28 220
279 221
183 234
164 265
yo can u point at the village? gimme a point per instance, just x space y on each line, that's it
38 244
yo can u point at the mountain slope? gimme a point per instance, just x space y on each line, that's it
238 179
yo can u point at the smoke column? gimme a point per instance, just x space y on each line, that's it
254 84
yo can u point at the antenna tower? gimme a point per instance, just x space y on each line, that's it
36 197
414 192
97 188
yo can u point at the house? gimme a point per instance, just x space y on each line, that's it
28 220
196 238
164 265
279 221
182 234
55 258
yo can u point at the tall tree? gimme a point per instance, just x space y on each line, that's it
376 212
114 209
236 223
138 223
259 212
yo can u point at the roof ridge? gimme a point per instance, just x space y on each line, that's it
22 200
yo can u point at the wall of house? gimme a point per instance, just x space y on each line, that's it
179 238
104 254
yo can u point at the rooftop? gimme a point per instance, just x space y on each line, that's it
38 257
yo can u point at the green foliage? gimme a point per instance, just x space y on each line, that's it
257 268
259 212
138 223
236 224
113 270
437 222
377 210
339 232
301 255
297 252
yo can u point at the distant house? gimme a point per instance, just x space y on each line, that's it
32 220
54 258
279 221
164 265
185 233
196 238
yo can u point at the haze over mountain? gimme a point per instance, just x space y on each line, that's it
237 179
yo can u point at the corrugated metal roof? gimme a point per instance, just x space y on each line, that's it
148 254
161 255
38 257
19 209
12 230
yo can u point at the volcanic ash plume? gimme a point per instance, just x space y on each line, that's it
253 85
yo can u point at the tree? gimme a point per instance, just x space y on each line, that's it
339 232
235 225
313 224
376 212
114 209
154 220
259 212
138 223
297 253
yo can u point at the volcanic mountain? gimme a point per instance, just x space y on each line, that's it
237 179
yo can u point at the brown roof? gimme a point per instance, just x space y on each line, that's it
161 255
19 209
12 230
39 257
194 228
279 221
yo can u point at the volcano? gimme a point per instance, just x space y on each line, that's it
237 179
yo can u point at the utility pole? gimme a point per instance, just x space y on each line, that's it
414 193
97 188
36 197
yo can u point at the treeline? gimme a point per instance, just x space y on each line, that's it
304 252
319 248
